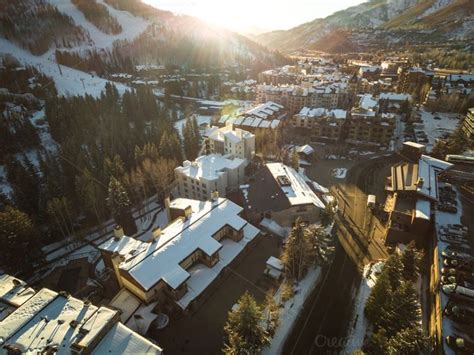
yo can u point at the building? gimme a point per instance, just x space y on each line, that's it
393 102
227 140
47 322
209 173
413 192
410 80
279 193
367 125
183 259
292 97
323 123
468 125
268 115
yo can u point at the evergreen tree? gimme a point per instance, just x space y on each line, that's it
191 138
18 239
409 341
378 303
377 344
295 161
244 331
119 205
297 254
410 262
272 312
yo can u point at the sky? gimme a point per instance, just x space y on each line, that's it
249 16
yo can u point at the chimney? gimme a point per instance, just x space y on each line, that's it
214 195
167 206
155 234
118 232
188 211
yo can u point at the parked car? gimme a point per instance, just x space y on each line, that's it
447 208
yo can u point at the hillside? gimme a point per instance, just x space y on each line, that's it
116 35
396 21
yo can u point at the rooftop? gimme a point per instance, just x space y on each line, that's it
160 260
209 167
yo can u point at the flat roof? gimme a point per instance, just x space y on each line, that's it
45 321
122 340
209 167
14 291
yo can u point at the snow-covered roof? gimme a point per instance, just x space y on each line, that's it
293 185
161 260
392 96
368 102
306 149
51 319
275 263
122 340
127 302
423 209
428 168
209 167
14 291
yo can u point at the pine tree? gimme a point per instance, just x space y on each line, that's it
410 262
18 239
377 344
272 312
378 303
297 253
119 205
244 331
295 161
409 341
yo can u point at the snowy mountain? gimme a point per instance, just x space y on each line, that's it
399 20
116 35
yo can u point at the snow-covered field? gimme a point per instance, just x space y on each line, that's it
436 128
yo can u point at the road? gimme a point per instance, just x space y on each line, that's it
322 325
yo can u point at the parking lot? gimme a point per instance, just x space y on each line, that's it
455 261
186 334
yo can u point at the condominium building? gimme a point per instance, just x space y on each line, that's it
209 173
323 123
268 115
228 140
183 259
50 322
278 192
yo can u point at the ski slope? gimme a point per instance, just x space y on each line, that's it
131 26
71 82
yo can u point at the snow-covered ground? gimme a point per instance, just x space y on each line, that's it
436 128
131 26
70 82
39 121
355 337
339 173
201 119
290 310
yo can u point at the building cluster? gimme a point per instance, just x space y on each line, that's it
49 322
268 115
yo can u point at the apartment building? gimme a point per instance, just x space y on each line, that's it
280 193
268 115
208 174
292 97
183 259
323 123
49 322
228 140
410 80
